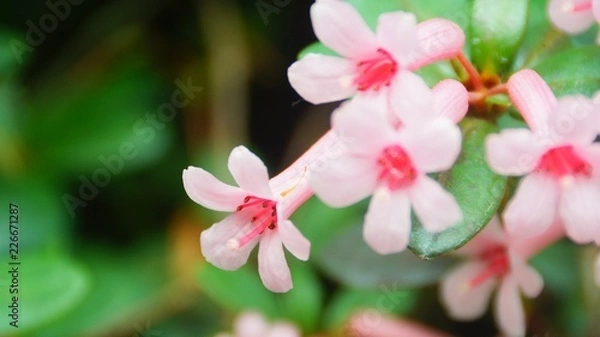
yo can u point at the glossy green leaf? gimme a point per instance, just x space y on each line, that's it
303 304
454 10
476 188
349 260
50 284
238 290
497 29
371 10
385 299
572 71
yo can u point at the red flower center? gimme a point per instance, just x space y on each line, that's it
262 213
376 72
563 161
397 169
577 6
497 264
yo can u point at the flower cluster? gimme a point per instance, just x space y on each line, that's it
388 139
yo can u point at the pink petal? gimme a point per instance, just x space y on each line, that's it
372 323
579 210
411 99
575 121
249 172
272 266
528 279
387 222
596 10
397 34
492 235
509 309
340 27
434 146
435 207
532 97
463 301
532 209
451 100
591 154
283 330
293 240
439 39
208 191
321 79
250 324
567 20
219 242
513 152
363 126
345 180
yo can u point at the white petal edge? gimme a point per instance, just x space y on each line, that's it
293 240
528 279
206 190
250 324
272 266
439 39
533 98
387 222
509 313
450 100
574 120
322 79
411 99
513 152
397 34
436 208
579 210
249 172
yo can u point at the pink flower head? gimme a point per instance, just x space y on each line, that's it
252 324
258 216
557 155
574 16
392 164
495 260
370 63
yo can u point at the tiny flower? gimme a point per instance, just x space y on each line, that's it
258 216
252 324
495 260
574 16
558 156
371 64
392 164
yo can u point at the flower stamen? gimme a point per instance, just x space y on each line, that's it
397 169
376 72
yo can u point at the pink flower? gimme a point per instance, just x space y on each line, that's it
495 261
392 164
374 324
574 16
252 324
558 157
258 216
371 63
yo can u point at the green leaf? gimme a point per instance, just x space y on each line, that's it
371 10
476 188
454 10
49 285
302 305
349 260
237 291
572 71
347 302
497 29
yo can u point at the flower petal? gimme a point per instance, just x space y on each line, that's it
218 243
451 100
532 97
528 279
509 309
249 172
387 222
463 301
272 266
596 10
579 210
250 324
513 152
434 146
206 190
435 207
344 181
575 121
321 78
439 39
532 209
411 99
340 27
397 34
567 20
293 240
283 330
491 235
